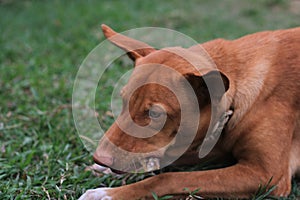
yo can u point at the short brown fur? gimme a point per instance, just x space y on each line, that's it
263 134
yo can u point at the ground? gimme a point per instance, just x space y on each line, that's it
42 46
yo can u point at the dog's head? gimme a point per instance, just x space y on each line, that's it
161 103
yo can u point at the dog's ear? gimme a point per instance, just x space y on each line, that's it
134 48
210 86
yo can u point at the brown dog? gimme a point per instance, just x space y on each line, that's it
260 74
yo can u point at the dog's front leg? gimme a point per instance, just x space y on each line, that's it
236 181
239 181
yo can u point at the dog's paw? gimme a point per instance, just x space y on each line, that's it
96 194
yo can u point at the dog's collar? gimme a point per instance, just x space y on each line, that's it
212 137
219 126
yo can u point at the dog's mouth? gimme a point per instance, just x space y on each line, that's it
102 168
141 166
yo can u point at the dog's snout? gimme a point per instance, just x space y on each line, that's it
106 161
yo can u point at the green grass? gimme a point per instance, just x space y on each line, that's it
42 44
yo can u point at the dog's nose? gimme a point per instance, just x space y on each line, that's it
106 161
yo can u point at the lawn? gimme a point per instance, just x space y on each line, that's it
42 45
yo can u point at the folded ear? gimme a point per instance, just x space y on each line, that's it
134 48
210 86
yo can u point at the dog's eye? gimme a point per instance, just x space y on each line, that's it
155 112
